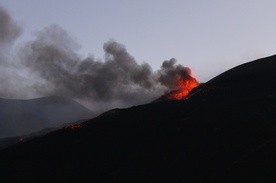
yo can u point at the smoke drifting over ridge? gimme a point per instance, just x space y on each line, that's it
50 65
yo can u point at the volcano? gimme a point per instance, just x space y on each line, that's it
224 132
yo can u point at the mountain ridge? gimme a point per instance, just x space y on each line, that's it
222 133
21 117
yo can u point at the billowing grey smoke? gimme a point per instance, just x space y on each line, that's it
9 30
171 73
11 80
55 68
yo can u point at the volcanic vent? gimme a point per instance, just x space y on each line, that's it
181 82
185 85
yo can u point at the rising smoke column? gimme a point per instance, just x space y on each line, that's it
171 73
11 78
54 67
178 79
9 30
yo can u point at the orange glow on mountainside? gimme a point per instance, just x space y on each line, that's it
184 88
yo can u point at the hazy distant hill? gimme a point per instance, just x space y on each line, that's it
21 117
225 132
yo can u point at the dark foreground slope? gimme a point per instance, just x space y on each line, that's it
21 117
223 133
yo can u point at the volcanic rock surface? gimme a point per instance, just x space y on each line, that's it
224 132
22 117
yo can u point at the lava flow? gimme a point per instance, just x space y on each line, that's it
74 126
184 87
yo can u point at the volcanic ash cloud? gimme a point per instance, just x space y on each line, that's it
54 67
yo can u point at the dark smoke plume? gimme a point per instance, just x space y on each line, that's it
9 30
9 74
52 66
170 73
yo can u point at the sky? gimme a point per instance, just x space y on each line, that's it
209 36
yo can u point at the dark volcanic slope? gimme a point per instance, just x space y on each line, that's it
252 79
21 117
223 133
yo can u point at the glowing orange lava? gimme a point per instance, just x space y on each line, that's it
184 88
74 126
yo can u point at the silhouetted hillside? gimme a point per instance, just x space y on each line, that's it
21 117
225 132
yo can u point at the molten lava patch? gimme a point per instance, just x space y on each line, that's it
184 88
74 126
